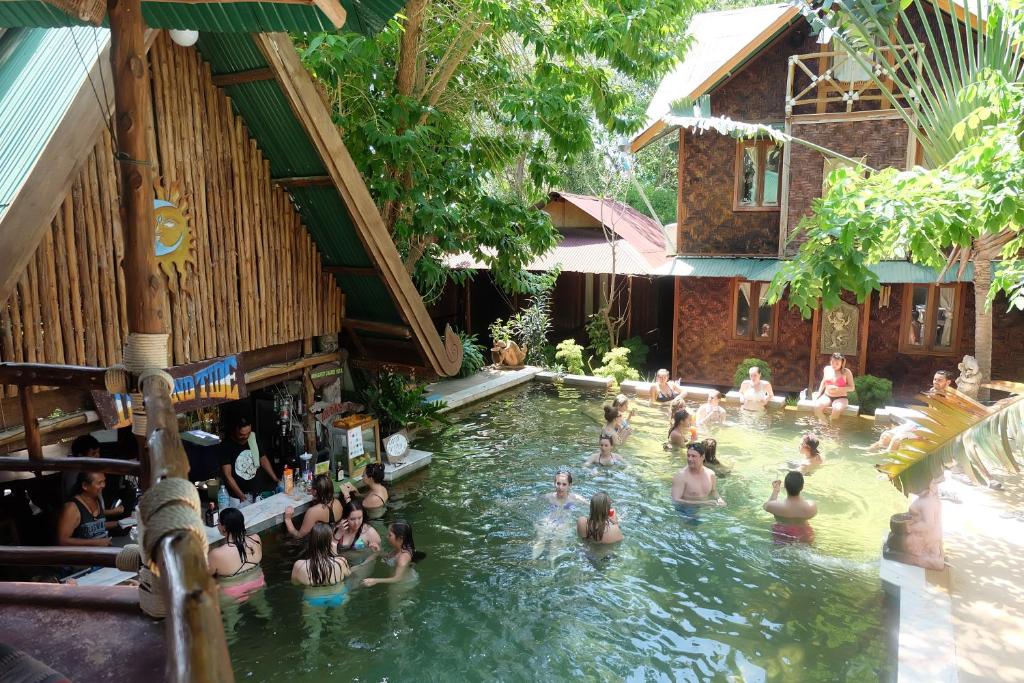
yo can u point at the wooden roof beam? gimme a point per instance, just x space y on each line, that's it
303 181
240 77
13 463
361 271
389 329
44 375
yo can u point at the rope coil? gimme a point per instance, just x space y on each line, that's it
142 351
129 559
116 379
151 597
172 505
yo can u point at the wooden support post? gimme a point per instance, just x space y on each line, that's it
813 363
308 424
467 311
865 322
11 463
132 114
58 555
33 440
680 200
44 375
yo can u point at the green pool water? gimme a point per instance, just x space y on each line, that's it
717 601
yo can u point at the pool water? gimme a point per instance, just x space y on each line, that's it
711 601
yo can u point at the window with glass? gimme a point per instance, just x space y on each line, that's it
758 172
930 319
753 318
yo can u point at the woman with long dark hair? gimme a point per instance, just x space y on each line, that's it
353 534
679 432
324 508
601 526
405 553
320 566
236 563
375 500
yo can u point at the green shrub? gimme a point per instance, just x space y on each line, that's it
570 355
872 392
637 351
616 364
472 355
743 370
529 327
597 335
400 401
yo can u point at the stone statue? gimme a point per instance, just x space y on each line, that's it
508 354
969 380
916 536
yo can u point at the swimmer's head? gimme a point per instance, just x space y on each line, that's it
940 382
714 397
695 454
605 442
563 480
611 413
375 472
662 375
710 451
837 361
621 401
810 443
323 489
794 483
600 504
754 372
680 417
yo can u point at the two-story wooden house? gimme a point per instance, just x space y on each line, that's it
740 199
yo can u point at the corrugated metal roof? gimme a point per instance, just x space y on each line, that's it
764 269
41 72
364 16
643 233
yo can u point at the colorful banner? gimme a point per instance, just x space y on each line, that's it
195 386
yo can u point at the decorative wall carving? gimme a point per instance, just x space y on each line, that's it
839 327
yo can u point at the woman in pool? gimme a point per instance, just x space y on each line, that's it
811 458
376 499
711 460
601 526
663 390
353 536
621 404
405 553
236 563
325 508
614 426
563 498
836 383
710 412
321 571
679 434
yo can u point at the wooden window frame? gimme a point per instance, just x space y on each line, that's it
931 311
756 288
836 49
762 144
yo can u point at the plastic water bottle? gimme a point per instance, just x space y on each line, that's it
222 498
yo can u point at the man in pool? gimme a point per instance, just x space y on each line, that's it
695 485
940 382
604 456
792 514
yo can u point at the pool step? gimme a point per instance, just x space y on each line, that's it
414 460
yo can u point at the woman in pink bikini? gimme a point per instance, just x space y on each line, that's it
836 383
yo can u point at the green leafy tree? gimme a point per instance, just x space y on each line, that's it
459 115
964 108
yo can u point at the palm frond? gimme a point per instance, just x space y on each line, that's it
956 428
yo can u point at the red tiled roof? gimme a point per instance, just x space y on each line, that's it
642 233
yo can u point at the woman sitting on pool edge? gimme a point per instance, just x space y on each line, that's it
236 563
405 553
836 383
324 508
601 526
321 569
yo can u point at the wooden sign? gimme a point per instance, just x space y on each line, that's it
196 385
325 374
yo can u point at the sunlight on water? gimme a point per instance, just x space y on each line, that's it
675 601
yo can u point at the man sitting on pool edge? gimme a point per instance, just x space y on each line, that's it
792 514
695 485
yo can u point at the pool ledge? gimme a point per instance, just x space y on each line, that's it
925 641
485 383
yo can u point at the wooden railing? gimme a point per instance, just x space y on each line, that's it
824 89
195 633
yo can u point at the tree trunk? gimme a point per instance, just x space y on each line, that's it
983 320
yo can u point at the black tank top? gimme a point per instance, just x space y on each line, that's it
90 526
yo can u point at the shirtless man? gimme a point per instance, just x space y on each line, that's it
695 485
755 392
792 514
604 457
940 382
891 439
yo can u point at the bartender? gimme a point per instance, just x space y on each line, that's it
245 472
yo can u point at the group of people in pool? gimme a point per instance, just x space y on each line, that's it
694 486
340 545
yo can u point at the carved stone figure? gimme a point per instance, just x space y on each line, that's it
969 380
839 330
508 354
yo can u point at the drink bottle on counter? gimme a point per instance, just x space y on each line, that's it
211 516
223 500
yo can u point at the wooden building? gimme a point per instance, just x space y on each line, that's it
599 240
740 199
216 216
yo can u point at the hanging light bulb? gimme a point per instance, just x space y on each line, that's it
184 37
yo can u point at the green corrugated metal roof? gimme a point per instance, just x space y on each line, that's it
764 269
284 142
41 71
364 16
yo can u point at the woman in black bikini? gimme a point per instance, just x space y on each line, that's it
236 563
376 499
325 508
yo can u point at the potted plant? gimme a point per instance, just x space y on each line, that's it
400 404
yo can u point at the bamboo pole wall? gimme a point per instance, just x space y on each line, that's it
256 278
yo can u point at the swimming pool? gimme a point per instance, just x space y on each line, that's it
674 601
